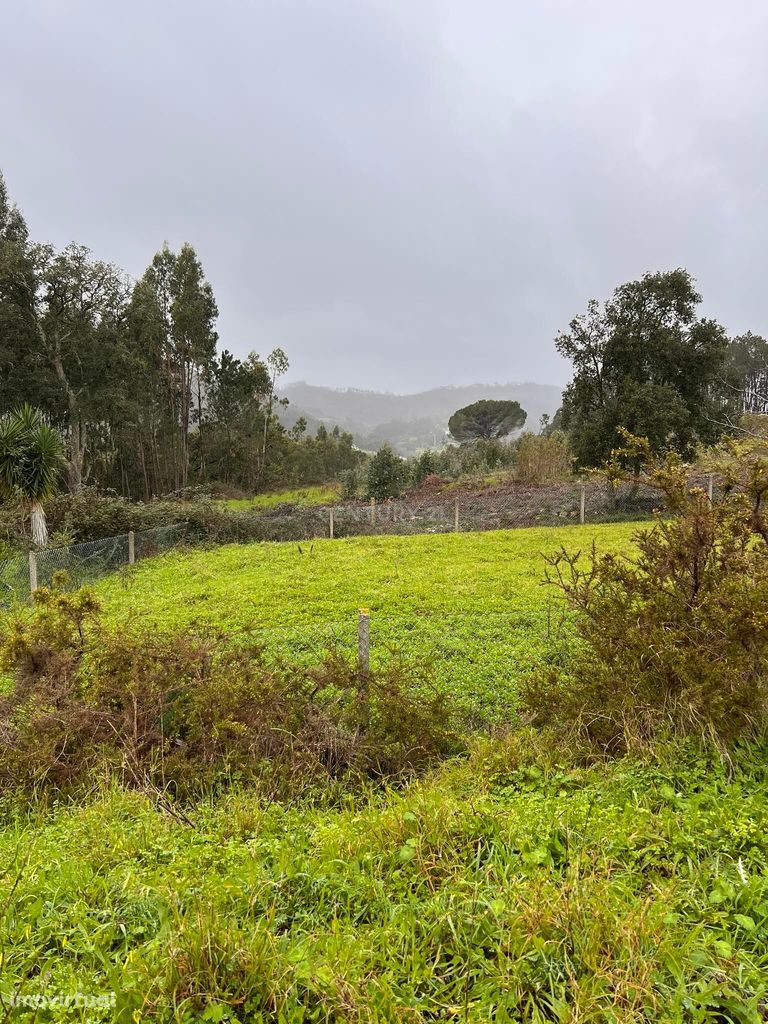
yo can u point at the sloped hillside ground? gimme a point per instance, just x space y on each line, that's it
518 882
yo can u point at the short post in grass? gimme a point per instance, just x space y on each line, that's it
373 512
330 523
582 501
131 548
32 572
456 516
364 641
710 486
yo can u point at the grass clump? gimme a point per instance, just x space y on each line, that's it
509 887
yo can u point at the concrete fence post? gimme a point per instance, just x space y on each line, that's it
582 501
373 512
131 548
456 516
32 572
364 640
330 523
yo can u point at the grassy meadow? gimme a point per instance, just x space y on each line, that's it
471 606
519 882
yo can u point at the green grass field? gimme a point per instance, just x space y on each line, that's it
471 605
306 496
487 892
518 883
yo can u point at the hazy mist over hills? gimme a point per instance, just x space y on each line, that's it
407 422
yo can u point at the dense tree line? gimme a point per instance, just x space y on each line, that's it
132 375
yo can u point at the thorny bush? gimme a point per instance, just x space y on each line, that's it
673 638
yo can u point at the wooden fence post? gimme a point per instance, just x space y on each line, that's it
456 516
373 511
32 572
582 502
711 486
364 640
330 523
131 548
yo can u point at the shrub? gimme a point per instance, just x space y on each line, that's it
386 475
193 709
675 638
423 467
541 459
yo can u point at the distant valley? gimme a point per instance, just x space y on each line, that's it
408 422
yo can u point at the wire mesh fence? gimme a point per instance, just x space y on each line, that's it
78 564
555 504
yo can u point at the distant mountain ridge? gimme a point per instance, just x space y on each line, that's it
407 422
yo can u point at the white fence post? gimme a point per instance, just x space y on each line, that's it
32 572
456 516
330 523
364 640
373 511
131 548
710 486
582 502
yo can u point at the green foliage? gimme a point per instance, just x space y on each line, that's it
465 460
675 637
31 459
132 378
31 455
488 419
519 886
645 361
422 467
386 475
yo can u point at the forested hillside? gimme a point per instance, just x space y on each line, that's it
409 422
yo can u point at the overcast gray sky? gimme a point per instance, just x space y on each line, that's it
406 193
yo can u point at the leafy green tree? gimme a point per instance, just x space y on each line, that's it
233 418
644 361
31 459
423 467
171 319
23 374
277 361
488 418
386 475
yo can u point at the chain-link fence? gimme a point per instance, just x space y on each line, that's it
555 504
79 564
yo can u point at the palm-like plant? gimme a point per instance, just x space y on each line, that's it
31 457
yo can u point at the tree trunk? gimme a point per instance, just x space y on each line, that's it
39 526
77 445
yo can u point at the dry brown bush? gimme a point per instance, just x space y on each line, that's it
193 709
